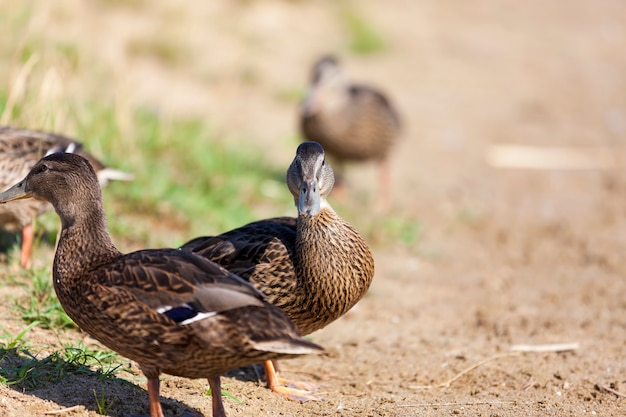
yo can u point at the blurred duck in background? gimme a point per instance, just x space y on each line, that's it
353 122
20 149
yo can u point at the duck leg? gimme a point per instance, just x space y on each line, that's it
28 233
216 394
292 390
153 394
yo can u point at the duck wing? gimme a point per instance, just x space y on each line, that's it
178 283
249 249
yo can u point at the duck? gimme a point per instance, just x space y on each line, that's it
354 122
170 311
315 267
20 149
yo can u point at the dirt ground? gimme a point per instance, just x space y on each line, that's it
505 256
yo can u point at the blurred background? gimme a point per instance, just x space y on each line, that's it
200 99
507 219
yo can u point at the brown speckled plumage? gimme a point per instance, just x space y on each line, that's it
20 149
314 267
169 310
353 122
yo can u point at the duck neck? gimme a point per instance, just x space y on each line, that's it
83 244
334 264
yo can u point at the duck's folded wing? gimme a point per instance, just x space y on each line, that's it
242 249
169 297
183 286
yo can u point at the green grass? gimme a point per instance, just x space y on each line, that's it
226 394
102 404
363 38
20 367
123 4
11 341
159 48
40 304
30 366
184 176
392 231
186 179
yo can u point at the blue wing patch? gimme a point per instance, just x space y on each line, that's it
181 313
185 313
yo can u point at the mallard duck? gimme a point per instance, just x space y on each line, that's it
353 122
314 267
171 311
20 149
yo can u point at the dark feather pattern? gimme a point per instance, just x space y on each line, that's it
184 313
314 267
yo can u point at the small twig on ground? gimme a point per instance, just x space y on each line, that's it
529 384
471 368
418 387
456 404
612 391
515 351
63 410
466 370
551 347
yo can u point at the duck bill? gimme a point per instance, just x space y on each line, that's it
309 198
17 192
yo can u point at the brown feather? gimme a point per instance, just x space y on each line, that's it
315 268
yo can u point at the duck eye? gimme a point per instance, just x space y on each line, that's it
43 168
323 162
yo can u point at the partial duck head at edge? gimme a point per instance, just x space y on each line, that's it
59 177
310 179
327 88
325 68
